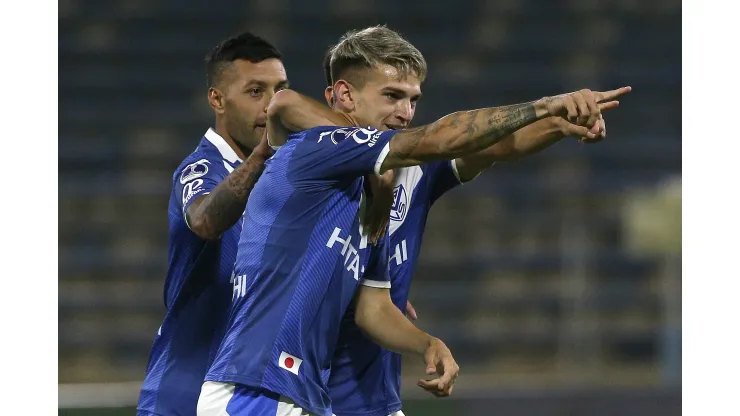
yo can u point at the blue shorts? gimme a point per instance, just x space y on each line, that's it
227 399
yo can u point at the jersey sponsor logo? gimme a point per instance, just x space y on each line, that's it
191 189
194 170
350 253
400 254
400 203
359 135
239 284
289 362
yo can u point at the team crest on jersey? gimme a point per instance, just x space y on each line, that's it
360 135
400 203
194 170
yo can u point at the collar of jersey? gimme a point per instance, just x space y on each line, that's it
226 151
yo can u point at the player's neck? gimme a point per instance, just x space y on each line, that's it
350 119
241 151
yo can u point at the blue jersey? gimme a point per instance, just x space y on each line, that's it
197 288
302 254
365 378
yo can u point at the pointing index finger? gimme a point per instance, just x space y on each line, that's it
611 95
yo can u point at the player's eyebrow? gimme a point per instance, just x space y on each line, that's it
256 82
262 84
402 92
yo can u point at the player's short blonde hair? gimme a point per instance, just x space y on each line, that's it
375 45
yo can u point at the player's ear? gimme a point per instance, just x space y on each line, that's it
343 95
216 100
328 94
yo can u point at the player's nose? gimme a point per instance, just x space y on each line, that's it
405 113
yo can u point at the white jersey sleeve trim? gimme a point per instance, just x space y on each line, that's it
185 214
269 143
380 284
453 166
381 157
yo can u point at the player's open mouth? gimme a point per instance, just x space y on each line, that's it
393 127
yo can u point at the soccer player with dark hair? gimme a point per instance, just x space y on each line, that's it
209 193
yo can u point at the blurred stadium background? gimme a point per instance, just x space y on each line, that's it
556 280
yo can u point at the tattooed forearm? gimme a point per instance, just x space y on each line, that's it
409 141
487 126
218 211
460 133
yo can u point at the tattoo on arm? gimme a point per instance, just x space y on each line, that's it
463 132
221 209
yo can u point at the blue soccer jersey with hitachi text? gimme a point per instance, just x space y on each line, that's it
302 254
365 378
